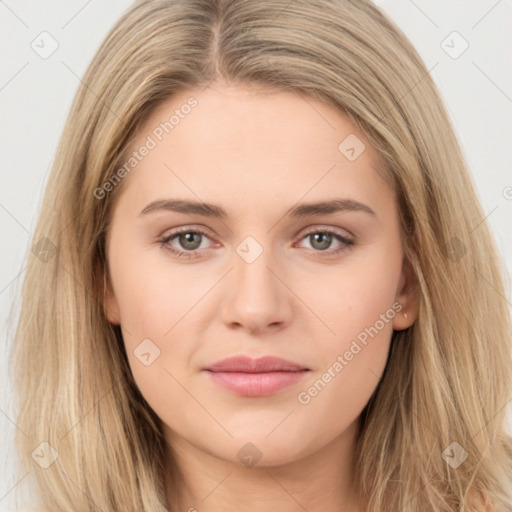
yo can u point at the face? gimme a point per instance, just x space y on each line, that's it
256 223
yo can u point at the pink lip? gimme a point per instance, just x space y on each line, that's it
255 377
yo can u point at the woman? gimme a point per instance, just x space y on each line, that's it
192 352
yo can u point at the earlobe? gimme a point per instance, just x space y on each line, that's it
403 320
407 296
110 306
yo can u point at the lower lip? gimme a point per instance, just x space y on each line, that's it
256 384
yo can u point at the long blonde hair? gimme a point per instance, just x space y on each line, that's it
447 378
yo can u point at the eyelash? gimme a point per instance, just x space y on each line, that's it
348 243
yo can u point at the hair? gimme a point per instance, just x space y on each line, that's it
447 376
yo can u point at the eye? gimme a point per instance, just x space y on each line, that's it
322 239
188 239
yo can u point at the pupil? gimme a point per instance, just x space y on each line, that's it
187 240
325 243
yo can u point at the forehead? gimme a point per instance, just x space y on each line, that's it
244 144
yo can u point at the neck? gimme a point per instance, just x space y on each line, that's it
322 481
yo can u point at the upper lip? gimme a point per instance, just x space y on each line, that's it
247 364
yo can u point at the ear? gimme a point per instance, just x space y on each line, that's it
407 295
110 305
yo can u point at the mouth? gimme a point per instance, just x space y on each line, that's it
255 377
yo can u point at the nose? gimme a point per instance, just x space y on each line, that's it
257 299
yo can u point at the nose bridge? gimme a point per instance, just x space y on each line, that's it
258 298
252 273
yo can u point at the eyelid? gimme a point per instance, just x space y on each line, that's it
319 228
186 229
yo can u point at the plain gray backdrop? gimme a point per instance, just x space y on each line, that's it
46 46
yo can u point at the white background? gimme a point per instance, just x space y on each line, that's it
36 93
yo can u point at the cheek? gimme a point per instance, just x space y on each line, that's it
358 305
153 292
160 305
353 296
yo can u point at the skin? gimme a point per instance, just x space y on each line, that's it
256 152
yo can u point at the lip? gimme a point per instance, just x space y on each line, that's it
263 364
264 376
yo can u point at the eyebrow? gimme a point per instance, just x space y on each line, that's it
302 210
